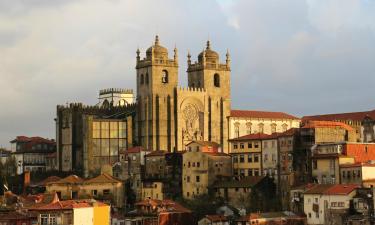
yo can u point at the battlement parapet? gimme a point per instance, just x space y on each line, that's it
147 62
96 109
191 89
116 91
214 66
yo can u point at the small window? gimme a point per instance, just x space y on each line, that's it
146 79
216 80
142 79
164 78
197 179
235 146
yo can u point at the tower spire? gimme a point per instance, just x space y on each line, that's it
228 58
175 54
208 45
157 40
189 58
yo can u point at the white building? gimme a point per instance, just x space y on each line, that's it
323 202
243 122
117 96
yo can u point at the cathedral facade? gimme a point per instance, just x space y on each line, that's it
170 116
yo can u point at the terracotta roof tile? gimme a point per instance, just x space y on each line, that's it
258 136
103 178
333 189
72 179
217 218
157 153
48 179
261 114
323 124
359 116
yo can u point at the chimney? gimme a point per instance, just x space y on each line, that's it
26 180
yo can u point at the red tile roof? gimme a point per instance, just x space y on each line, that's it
333 189
103 178
362 152
205 143
261 114
217 218
135 149
32 139
48 180
358 116
357 164
164 205
156 153
72 179
258 136
326 124
69 204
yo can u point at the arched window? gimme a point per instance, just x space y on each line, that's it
164 77
273 128
285 127
216 80
248 127
237 129
142 79
261 128
146 78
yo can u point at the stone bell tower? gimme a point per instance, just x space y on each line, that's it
214 77
157 79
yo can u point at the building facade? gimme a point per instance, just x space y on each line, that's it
244 122
200 170
169 116
89 137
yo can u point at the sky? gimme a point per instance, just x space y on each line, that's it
302 57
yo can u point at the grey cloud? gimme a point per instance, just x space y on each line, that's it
284 57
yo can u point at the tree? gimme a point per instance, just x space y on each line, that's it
202 205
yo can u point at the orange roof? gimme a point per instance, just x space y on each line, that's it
357 164
103 178
48 180
205 143
217 218
164 205
258 136
135 149
326 124
69 204
359 116
261 114
333 189
72 179
157 153
32 139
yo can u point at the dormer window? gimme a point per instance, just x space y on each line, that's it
164 77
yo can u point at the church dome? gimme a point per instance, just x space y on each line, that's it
211 55
158 50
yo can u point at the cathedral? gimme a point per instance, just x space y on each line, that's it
169 116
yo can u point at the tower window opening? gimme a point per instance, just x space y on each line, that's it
142 79
164 78
216 80
146 79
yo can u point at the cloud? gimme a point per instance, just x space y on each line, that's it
298 56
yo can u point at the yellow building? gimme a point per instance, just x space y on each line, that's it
103 187
245 122
322 201
246 152
326 162
152 190
358 173
200 169
88 212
